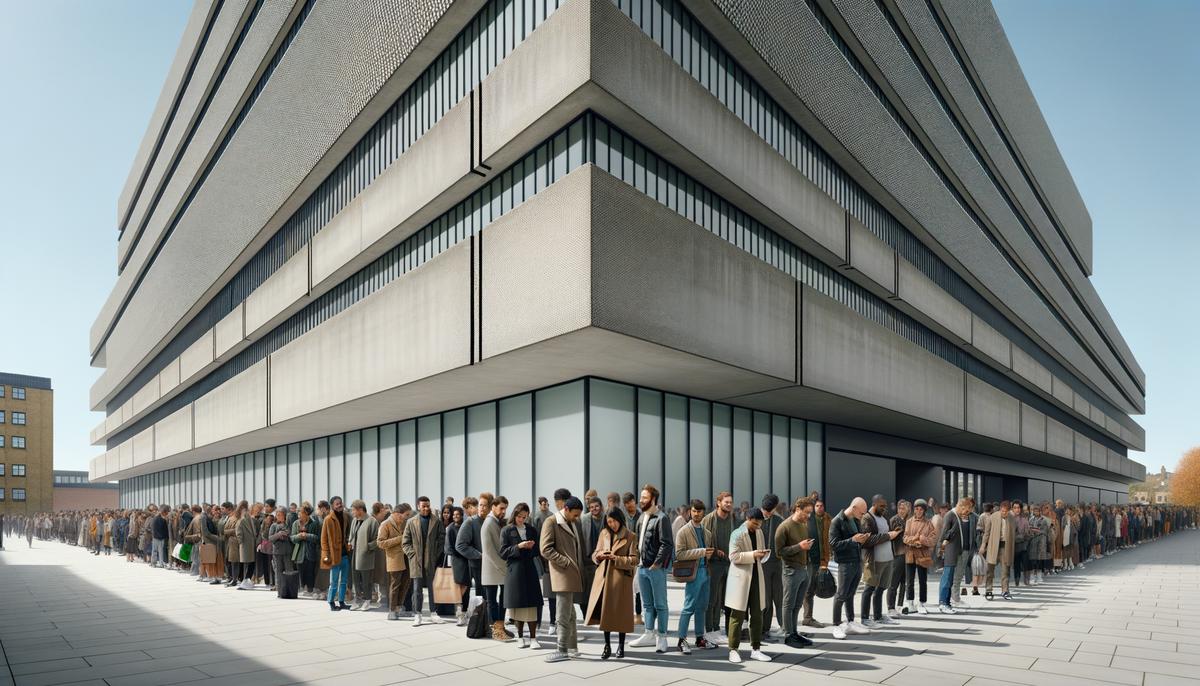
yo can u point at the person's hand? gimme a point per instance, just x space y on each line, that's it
526 544
349 546
807 544
760 554
860 538
708 552
654 566
720 554
893 534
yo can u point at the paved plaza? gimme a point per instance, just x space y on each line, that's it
69 617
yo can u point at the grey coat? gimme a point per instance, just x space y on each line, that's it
1039 543
424 553
469 543
281 540
365 539
247 537
951 537
495 569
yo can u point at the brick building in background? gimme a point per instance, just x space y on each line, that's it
73 491
26 443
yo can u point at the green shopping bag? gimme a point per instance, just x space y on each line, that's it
185 552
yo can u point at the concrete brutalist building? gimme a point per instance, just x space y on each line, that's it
382 248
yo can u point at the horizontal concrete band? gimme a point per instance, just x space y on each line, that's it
394 205
592 278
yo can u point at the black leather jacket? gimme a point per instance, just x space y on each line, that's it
845 550
657 547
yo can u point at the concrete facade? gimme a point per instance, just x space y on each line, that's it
554 225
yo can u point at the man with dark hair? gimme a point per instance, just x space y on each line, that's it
718 527
793 541
654 555
423 543
590 526
997 546
691 543
494 568
818 555
629 500
744 596
335 553
877 562
560 547
772 569
159 531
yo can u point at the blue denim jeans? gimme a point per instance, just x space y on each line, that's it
695 603
948 584
337 580
653 583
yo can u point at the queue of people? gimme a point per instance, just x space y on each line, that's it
756 568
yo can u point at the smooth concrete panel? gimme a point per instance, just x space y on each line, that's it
537 265
125 453
111 461
235 407
1082 406
112 422
990 342
1059 439
1031 370
850 356
1062 392
1033 428
871 257
1099 454
437 161
230 330
168 378
143 446
197 357
173 433
1096 415
992 412
1083 448
281 290
660 278
1112 426
340 241
145 396
918 290
415 327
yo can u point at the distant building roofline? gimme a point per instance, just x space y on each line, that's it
25 381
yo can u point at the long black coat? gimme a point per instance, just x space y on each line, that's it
462 570
522 587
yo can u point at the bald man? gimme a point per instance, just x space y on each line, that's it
846 539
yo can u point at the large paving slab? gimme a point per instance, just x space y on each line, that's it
67 617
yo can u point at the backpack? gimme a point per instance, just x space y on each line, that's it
478 625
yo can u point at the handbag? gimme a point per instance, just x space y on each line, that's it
175 551
208 554
445 589
265 547
684 571
183 552
978 565
826 585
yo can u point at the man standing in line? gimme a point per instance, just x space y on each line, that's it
746 582
963 569
846 541
391 539
772 570
159 530
691 543
590 526
818 556
654 552
495 569
877 562
630 502
794 542
718 527
424 538
469 543
364 541
899 554
559 542
955 539
998 546
543 513
335 553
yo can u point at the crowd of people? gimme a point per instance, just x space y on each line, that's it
756 569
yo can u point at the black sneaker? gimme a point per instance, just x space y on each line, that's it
1006 595
974 591
988 595
333 607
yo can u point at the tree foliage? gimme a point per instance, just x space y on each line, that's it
1185 482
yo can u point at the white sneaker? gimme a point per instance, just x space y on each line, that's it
524 642
714 638
734 657
946 610
247 585
893 614
662 645
870 623
435 618
462 620
839 631
921 609
551 630
888 621
857 628
684 648
417 620
775 633
645 640
759 656
533 643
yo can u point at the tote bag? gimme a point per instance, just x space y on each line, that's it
445 589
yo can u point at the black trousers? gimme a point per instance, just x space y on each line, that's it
848 576
922 577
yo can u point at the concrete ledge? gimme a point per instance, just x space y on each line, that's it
168 378
950 317
870 256
1033 428
230 332
992 412
173 433
197 357
991 342
143 446
1059 439
270 303
236 407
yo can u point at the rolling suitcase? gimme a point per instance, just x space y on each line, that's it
288 586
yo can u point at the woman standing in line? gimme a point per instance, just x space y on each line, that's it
306 537
919 536
522 587
108 533
610 604
279 534
458 563
247 541
1039 544
1055 562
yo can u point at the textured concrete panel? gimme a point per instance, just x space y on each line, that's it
125 453
1031 370
112 422
416 326
1112 426
144 397
1099 454
1096 415
197 357
1083 407
173 433
168 378
921 292
1083 448
658 277
143 446
853 357
1033 428
1059 439
992 412
990 342
269 302
537 267
235 407
230 330
340 241
1062 392
872 257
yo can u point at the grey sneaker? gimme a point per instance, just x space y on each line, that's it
393 616
556 656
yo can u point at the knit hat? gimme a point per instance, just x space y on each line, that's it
920 502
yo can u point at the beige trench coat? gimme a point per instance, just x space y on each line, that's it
743 564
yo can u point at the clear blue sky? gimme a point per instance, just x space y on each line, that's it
1118 86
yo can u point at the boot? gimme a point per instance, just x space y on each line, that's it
498 632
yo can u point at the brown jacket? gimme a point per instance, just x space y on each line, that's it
192 533
919 536
560 547
391 536
333 539
990 543
610 605
229 531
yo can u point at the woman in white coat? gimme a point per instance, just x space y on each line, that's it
746 585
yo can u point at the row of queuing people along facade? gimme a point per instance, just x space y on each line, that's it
517 262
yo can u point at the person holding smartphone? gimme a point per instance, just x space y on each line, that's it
692 542
793 540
